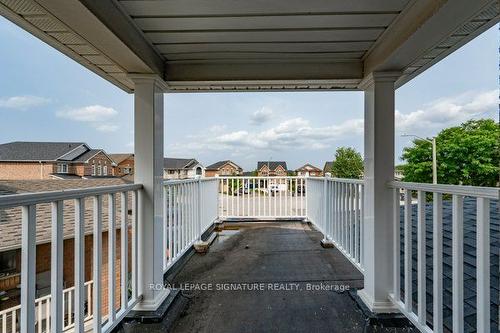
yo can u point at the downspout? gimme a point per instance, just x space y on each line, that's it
41 169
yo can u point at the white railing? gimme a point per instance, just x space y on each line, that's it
190 208
262 197
9 317
403 294
335 207
69 310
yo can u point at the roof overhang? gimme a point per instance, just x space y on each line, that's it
241 45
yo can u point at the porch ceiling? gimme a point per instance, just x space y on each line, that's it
254 45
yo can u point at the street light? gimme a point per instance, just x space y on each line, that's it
434 157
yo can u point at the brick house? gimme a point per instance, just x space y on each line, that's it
124 164
223 168
182 168
52 160
10 239
309 170
271 168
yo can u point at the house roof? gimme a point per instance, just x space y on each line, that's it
89 154
272 164
328 166
179 163
470 244
218 165
118 158
41 151
10 219
308 167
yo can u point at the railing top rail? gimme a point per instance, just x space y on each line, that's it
186 181
346 180
339 180
261 177
23 199
472 191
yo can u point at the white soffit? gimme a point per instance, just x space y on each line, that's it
240 45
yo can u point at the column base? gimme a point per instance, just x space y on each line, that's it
153 305
377 306
203 246
326 243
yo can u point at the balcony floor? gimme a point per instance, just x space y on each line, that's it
287 254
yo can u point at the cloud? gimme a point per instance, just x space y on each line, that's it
261 116
295 133
97 116
447 111
91 113
22 102
107 128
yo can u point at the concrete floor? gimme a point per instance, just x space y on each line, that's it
278 264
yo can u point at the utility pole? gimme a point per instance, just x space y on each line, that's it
434 154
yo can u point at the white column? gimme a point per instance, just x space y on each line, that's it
378 240
148 159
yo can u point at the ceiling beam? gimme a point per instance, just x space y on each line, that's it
112 15
238 71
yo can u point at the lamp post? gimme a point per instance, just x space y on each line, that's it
434 155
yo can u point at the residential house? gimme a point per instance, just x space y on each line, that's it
223 168
124 164
182 168
398 172
271 168
52 160
328 167
309 170
10 237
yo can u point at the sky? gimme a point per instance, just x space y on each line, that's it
45 96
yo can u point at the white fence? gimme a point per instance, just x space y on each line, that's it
335 207
262 197
190 208
403 295
68 309
9 318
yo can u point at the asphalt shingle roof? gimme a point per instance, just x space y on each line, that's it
178 163
85 156
10 219
118 158
272 164
308 166
469 261
218 165
36 151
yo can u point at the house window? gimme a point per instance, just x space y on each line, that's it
198 171
171 172
62 168
93 169
99 170
126 170
105 170
8 263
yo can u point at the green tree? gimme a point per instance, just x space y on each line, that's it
468 154
348 163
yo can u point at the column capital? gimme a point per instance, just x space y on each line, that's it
375 77
139 78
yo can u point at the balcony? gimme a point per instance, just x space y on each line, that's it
310 232
431 257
